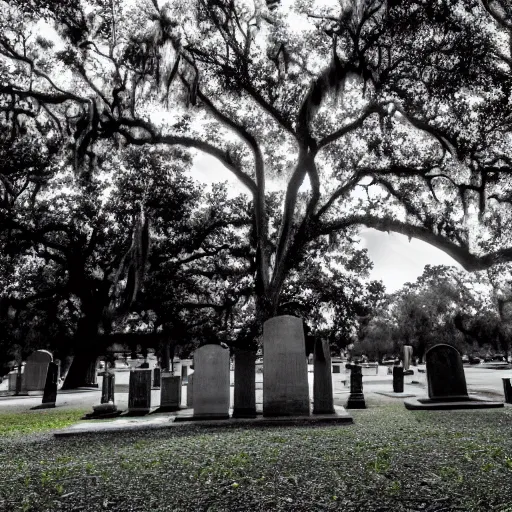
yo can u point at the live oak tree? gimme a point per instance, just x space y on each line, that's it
393 115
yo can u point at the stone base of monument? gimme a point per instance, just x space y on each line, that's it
244 413
202 417
391 394
450 404
340 416
103 411
356 401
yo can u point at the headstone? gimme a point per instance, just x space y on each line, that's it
322 379
447 383
108 387
170 392
156 377
407 356
190 391
398 379
507 388
50 388
36 369
356 397
245 384
285 370
139 394
445 374
211 382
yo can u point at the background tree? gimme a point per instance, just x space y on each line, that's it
367 95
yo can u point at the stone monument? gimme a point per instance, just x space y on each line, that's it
356 397
170 392
211 395
139 394
447 383
285 370
36 369
398 379
50 388
408 360
244 398
157 372
322 379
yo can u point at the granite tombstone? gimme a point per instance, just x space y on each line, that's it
445 374
50 388
285 370
322 379
36 369
356 398
139 394
170 392
211 383
447 383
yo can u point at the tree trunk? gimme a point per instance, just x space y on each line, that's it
86 353
82 370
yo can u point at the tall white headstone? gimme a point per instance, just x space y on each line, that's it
407 356
211 382
285 370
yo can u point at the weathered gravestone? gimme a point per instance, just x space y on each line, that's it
407 357
447 383
170 392
322 379
356 397
139 394
50 388
36 369
398 379
156 377
507 389
244 398
211 382
285 370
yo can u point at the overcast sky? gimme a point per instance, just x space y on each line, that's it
396 260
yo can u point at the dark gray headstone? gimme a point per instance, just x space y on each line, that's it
170 392
50 388
322 379
445 374
244 398
356 398
139 394
507 389
108 387
398 379
156 377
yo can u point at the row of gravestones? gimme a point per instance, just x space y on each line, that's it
285 385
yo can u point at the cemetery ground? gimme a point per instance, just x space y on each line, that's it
390 459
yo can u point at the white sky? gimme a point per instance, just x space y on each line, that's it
396 260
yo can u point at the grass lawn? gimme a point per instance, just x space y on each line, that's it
391 459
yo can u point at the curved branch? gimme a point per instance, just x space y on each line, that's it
460 254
